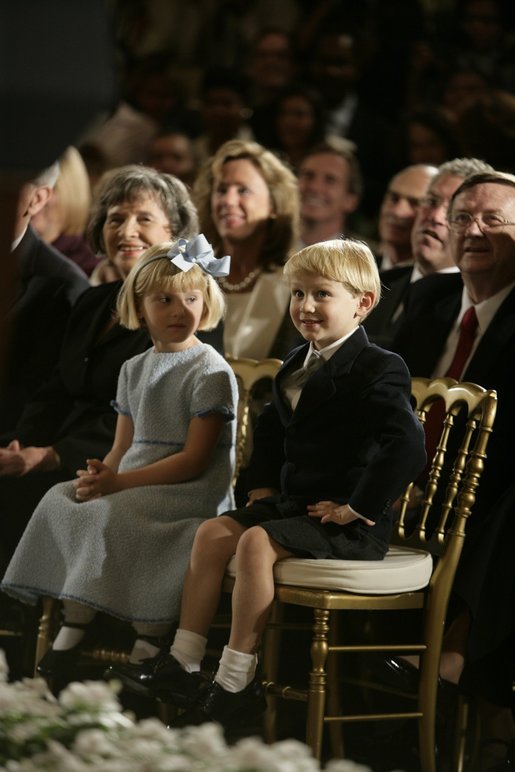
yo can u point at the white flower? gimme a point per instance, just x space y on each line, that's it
85 730
94 742
205 741
4 669
90 694
344 765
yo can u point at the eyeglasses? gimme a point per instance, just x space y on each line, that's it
485 222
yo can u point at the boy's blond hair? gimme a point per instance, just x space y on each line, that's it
345 260
155 269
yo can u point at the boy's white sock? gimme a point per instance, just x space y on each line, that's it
188 649
236 670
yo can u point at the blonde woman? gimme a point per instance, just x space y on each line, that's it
248 206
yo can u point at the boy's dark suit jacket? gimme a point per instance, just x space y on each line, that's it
485 582
48 284
72 411
353 437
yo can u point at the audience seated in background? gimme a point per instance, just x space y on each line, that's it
330 188
397 215
298 123
47 287
427 137
482 39
62 221
71 418
224 111
334 70
478 650
248 207
429 245
172 151
271 68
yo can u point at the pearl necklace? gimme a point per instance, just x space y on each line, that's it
241 285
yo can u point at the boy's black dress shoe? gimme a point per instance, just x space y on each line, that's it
160 676
227 708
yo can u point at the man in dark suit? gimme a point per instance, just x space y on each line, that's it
48 285
429 248
479 645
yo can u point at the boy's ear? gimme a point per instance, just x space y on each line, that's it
366 304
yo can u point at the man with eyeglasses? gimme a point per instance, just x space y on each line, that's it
479 648
429 238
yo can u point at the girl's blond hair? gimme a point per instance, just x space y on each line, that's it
155 269
345 260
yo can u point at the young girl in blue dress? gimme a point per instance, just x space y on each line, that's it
118 537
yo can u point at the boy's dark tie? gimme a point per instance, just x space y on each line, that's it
299 378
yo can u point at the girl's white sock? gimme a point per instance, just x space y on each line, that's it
67 638
144 648
69 635
236 670
188 649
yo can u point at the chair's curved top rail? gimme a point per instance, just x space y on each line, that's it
253 370
451 482
426 391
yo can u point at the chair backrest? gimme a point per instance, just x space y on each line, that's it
465 413
248 372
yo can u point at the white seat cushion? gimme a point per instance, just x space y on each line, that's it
402 570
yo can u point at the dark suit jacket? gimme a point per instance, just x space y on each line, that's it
380 324
484 580
434 304
48 285
353 437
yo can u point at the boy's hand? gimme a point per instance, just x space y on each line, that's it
95 481
260 493
331 512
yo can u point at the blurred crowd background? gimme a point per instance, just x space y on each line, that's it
407 81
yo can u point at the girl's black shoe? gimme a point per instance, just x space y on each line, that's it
58 663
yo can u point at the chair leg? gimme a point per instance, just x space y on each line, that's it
44 629
427 705
270 663
317 683
334 707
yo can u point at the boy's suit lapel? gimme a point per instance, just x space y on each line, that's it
321 386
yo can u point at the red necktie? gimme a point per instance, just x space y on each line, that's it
433 425
468 330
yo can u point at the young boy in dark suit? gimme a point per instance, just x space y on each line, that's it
332 451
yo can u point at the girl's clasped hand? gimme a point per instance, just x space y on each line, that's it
95 481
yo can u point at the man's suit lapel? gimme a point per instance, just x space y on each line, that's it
500 331
426 351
